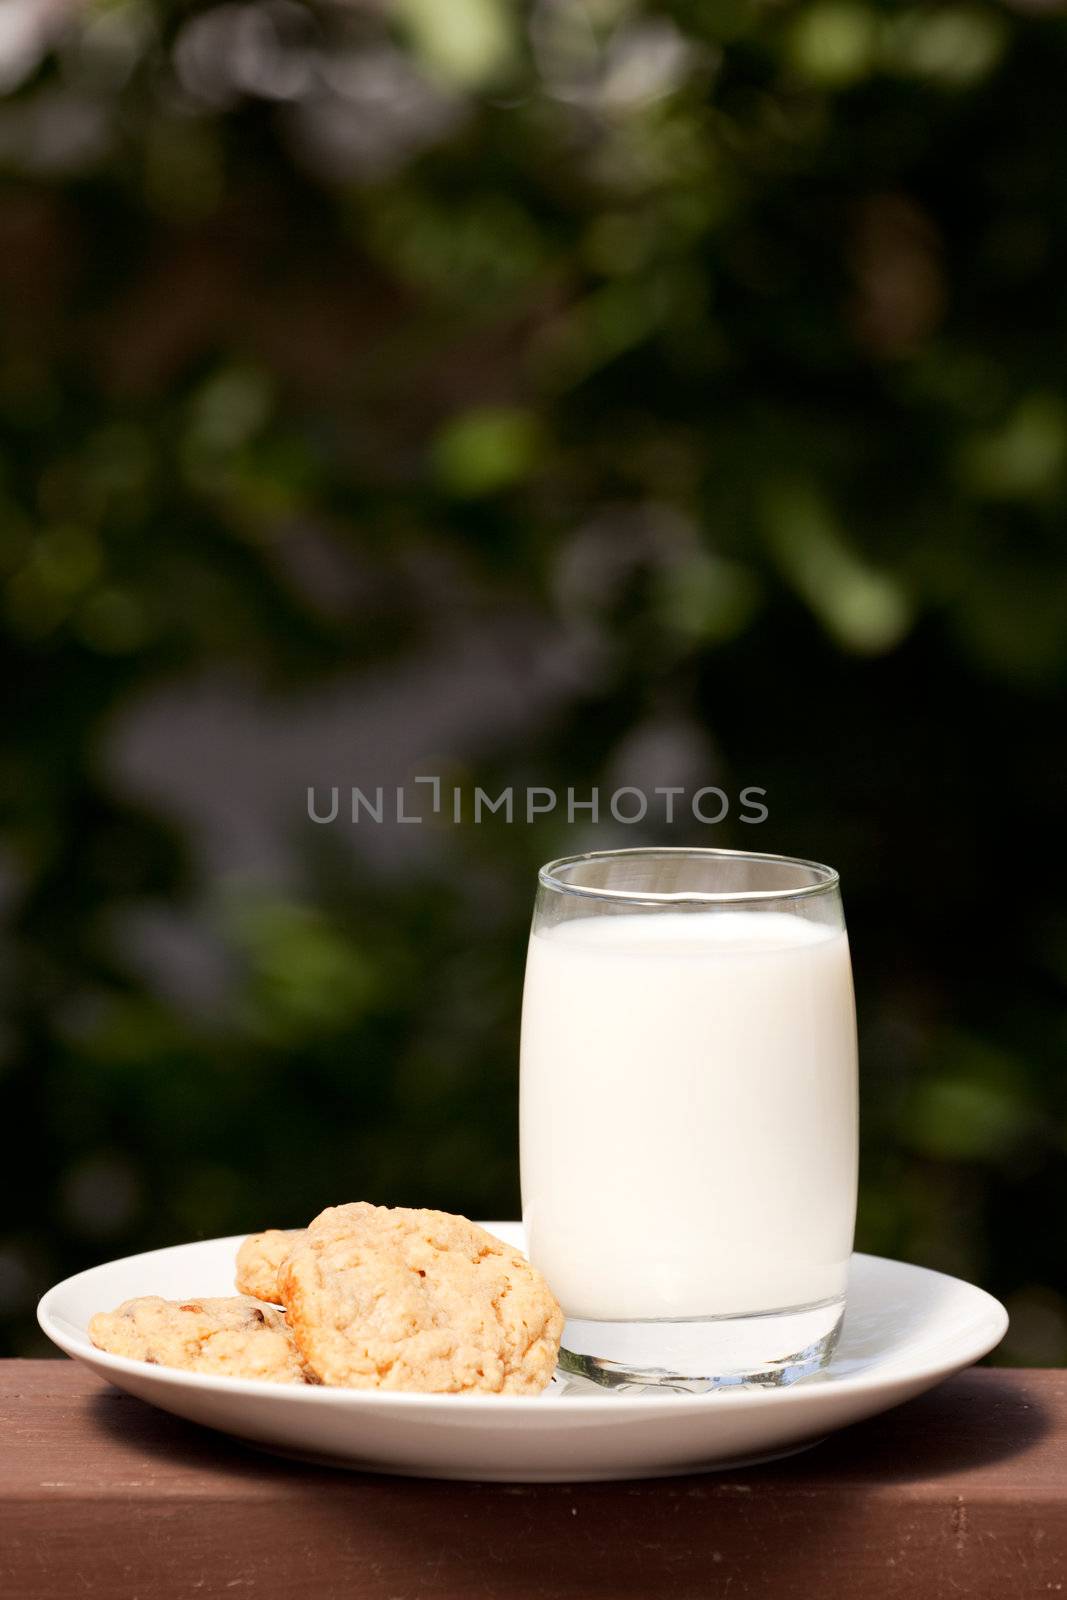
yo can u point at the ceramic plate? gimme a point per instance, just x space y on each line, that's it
905 1329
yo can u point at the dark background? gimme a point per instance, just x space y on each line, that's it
585 393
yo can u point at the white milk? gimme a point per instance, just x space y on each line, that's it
688 1112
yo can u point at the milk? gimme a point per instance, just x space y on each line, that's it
688 1112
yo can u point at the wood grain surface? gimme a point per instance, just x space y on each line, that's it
960 1493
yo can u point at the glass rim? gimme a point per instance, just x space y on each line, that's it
826 879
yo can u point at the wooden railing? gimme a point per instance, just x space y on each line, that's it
960 1493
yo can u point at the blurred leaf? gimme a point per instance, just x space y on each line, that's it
973 1106
707 599
303 976
1025 458
485 450
953 45
866 611
468 42
834 42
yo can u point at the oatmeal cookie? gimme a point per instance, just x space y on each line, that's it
398 1299
230 1338
259 1259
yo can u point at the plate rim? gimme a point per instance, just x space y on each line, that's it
928 1373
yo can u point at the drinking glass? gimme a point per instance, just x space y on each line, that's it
688 1113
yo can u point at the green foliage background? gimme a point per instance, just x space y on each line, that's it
707 359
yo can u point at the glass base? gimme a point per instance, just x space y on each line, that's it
768 1348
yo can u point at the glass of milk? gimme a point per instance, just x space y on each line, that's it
689 1113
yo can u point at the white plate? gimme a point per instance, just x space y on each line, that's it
905 1330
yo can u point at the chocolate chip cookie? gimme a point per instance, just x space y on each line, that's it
229 1338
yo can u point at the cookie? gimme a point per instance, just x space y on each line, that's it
397 1299
231 1338
258 1261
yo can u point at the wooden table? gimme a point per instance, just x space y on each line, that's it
960 1493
